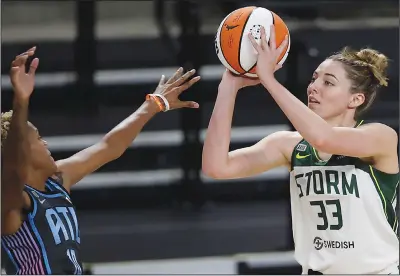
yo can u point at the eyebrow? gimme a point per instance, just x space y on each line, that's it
328 74
331 75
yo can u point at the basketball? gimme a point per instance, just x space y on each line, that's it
234 48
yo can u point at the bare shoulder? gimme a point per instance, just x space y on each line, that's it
387 139
384 136
13 219
289 141
380 129
286 142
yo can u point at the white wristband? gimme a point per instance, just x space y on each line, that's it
166 103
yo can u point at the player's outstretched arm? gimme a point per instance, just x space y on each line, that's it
371 140
114 143
15 148
272 151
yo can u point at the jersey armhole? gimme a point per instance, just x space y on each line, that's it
55 184
292 158
32 209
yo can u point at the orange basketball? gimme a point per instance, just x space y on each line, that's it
234 48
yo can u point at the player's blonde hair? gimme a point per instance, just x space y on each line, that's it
366 69
5 125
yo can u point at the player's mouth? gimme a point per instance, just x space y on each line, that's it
312 100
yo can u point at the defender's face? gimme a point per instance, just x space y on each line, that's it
329 92
41 156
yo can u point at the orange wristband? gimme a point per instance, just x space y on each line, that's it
156 100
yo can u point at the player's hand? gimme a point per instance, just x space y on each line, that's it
238 81
267 54
23 83
178 83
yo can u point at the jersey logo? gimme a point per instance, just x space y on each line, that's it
298 156
68 199
63 224
42 201
301 147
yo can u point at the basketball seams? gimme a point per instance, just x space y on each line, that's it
277 19
240 42
230 43
231 32
219 40
255 64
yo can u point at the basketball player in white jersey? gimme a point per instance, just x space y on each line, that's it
344 173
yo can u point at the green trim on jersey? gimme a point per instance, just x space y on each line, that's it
305 155
386 186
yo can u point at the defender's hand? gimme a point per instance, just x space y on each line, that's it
175 86
23 83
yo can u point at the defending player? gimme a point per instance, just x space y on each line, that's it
40 230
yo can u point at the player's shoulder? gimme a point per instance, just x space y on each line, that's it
287 140
380 129
288 134
377 126
291 136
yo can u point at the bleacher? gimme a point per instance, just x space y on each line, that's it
149 175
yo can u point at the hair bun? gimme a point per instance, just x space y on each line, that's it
377 62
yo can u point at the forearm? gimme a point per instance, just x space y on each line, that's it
217 141
16 154
121 136
312 127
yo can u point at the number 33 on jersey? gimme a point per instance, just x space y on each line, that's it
342 207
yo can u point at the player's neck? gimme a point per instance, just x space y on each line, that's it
341 121
37 179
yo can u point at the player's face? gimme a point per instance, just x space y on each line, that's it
41 156
329 90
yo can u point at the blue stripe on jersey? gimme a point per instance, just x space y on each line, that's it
10 256
39 238
49 187
57 186
46 195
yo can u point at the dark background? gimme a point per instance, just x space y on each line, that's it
99 59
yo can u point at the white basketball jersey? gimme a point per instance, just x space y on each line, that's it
343 214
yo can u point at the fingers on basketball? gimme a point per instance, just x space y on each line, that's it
254 43
264 42
283 45
272 37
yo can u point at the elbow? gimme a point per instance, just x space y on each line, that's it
212 167
213 172
207 169
116 155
